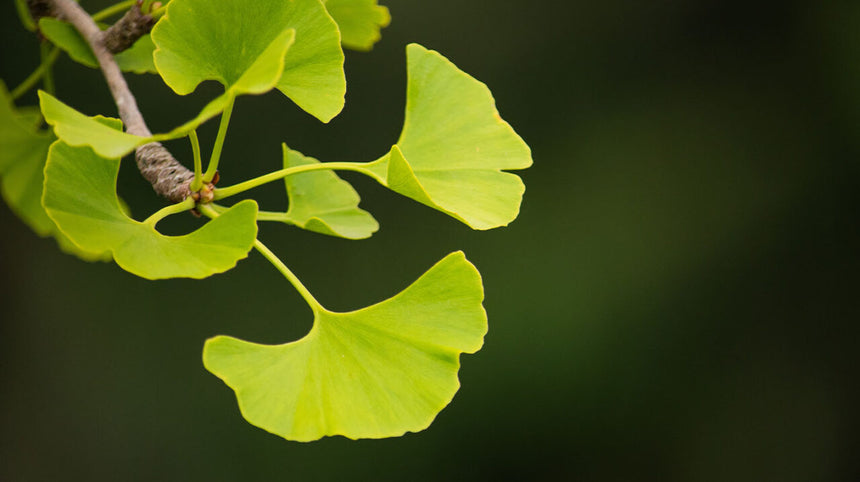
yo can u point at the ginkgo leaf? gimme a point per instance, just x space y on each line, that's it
454 146
80 197
23 152
321 201
78 129
256 76
359 21
137 58
377 372
197 41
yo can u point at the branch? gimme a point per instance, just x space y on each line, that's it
125 32
168 177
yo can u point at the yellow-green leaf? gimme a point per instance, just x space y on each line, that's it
377 372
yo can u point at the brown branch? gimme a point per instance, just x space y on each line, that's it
125 32
168 177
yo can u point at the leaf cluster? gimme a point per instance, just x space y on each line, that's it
376 372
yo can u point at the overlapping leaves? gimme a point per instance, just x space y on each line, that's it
137 59
197 40
80 197
23 152
377 372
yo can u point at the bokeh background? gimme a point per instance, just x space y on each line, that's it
677 300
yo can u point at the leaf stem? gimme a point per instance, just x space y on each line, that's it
292 278
362 167
48 76
179 207
33 78
271 216
113 10
211 212
219 141
197 183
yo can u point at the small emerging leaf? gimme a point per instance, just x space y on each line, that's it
321 201
359 21
23 152
80 196
197 40
137 59
377 372
454 146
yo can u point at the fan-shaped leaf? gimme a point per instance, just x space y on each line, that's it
359 21
80 196
454 146
321 201
23 152
197 40
78 129
372 373
137 59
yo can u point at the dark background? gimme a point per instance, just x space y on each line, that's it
677 300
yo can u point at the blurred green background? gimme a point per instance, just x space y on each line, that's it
677 300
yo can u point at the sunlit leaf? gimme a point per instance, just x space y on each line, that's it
197 40
23 152
359 21
454 146
78 129
377 372
80 196
137 58
321 201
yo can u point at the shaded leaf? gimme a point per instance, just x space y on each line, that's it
196 41
320 201
377 372
80 196
454 146
359 21
137 59
23 152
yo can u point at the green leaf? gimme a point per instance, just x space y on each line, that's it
320 201
454 146
80 196
23 152
137 59
359 21
377 372
196 41
77 129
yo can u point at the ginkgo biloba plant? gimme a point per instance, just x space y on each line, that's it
379 371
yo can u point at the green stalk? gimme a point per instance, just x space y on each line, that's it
37 74
219 141
271 216
315 305
362 167
292 278
48 76
197 183
113 10
179 207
